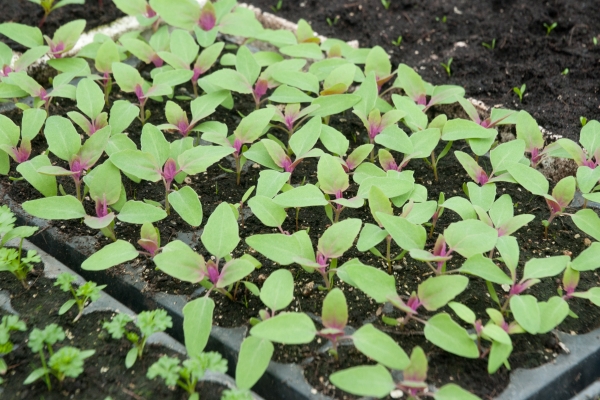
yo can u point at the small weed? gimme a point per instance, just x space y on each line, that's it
447 66
397 41
490 46
332 22
565 71
277 6
520 91
550 28
386 3
443 19
583 121
595 41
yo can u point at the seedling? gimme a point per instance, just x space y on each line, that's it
187 375
201 108
9 323
447 66
277 6
51 5
442 20
22 63
386 3
88 291
148 323
10 259
583 121
334 21
565 71
595 41
520 91
397 42
42 98
550 28
490 46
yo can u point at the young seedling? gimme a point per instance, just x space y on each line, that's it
386 3
9 324
334 21
277 6
520 91
583 121
550 27
415 89
42 97
447 66
22 63
15 141
498 116
11 260
88 291
397 42
276 293
292 116
148 323
220 237
376 381
159 160
489 46
252 127
51 5
106 56
201 108
186 376
334 181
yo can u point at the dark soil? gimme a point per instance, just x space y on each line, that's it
28 13
104 373
523 53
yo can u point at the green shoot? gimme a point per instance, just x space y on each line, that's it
277 7
490 46
397 42
565 71
520 92
386 3
550 28
583 121
332 22
88 291
447 66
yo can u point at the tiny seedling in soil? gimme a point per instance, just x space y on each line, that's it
447 66
550 28
443 19
583 121
9 323
520 91
277 6
187 375
565 71
51 5
332 22
595 41
386 4
490 46
148 322
88 291
397 42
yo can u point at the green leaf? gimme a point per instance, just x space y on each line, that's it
28 36
183 14
270 182
126 76
587 260
90 98
482 196
452 391
66 307
339 237
197 323
139 164
528 130
470 237
187 204
253 360
45 184
278 290
138 212
153 142
305 139
380 347
461 206
437 291
199 158
372 380
442 331
334 104
181 262
304 81
406 234
545 267
289 95
303 50
122 113
252 126
234 271
374 282
61 207
463 312
110 255
221 233
286 328
283 248
457 129
267 211
552 313
63 140
529 178
331 175
588 221
526 311
590 137
485 268
301 196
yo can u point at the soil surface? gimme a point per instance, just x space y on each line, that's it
104 373
216 186
434 31
95 12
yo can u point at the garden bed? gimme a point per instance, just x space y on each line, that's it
141 287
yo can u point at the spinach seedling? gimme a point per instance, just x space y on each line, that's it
9 323
148 323
148 51
292 116
489 46
186 376
447 66
201 108
62 42
334 181
520 91
550 27
88 291
15 141
42 97
220 237
416 89
252 127
51 5
11 260
376 381
159 160
90 100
